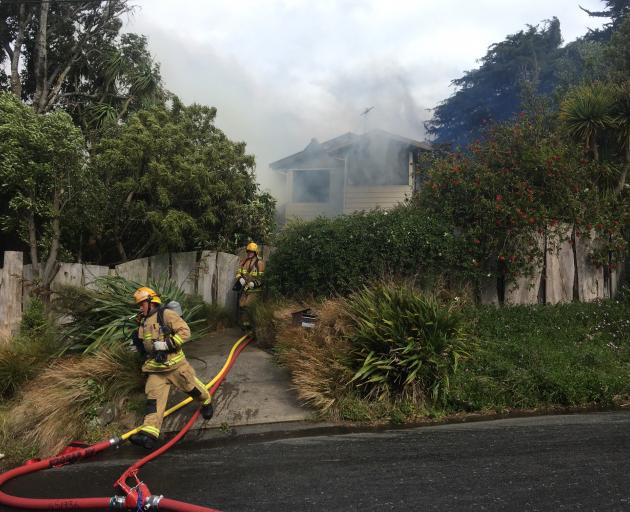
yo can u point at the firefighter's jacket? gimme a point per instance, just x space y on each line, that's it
150 331
252 270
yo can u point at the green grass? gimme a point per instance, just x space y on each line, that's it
29 351
542 356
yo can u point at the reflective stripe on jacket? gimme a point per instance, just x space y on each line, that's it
150 331
252 270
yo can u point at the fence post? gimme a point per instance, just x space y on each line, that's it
11 294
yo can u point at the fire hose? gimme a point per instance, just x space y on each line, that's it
138 497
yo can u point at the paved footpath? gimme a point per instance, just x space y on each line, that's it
256 391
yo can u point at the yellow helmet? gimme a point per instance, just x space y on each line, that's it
252 247
144 293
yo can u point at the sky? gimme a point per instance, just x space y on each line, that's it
281 72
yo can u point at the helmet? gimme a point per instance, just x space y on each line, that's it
144 293
252 247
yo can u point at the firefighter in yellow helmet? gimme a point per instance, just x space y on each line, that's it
159 339
249 283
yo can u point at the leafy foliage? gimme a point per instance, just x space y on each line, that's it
493 92
335 256
86 66
405 345
514 189
24 356
171 175
105 317
44 174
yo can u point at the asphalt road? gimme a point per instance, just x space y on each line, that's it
575 462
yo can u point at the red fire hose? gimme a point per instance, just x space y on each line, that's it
136 498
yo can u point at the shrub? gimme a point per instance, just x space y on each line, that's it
218 317
24 355
325 257
61 404
404 345
317 359
385 346
34 317
106 316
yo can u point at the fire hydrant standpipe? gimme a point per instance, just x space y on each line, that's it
136 498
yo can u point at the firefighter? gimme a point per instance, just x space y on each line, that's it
249 276
159 338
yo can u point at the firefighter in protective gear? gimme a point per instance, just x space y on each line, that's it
250 275
159 338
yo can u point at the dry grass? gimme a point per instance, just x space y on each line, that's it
62 403
316 357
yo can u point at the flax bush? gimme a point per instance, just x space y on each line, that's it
383 350
105 317
405 345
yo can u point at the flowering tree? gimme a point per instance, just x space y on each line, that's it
508 194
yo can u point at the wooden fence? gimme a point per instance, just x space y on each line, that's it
206 273
564 274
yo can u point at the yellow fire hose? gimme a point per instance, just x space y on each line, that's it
181 404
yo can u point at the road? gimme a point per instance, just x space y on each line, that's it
554 463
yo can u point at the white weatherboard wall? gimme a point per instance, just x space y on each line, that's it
368 198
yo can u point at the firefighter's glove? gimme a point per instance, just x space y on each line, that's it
242 281
160 346
137 343
251 284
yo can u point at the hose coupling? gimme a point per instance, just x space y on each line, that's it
152 502
117 503
115 441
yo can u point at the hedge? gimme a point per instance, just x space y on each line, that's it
324 257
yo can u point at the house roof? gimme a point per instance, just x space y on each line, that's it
336 144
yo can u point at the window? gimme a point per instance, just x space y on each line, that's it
311 186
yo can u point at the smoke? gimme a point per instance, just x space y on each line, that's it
278 119
285 71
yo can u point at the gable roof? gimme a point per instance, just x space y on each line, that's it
337 144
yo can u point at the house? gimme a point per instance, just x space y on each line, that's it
349 173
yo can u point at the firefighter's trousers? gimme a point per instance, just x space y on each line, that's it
157 388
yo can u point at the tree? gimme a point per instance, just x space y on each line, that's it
618 51
587 114
598 115
615 10
71 55
42 171
511 188
493 92
173 181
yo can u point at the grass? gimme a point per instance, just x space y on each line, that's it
521 357
49 396
385 352
317 359
62 403
24 355
542 356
